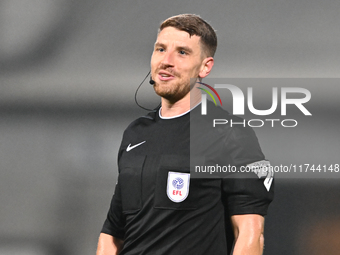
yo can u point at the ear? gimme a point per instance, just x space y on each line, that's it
206 67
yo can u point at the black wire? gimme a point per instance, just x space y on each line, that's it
137 92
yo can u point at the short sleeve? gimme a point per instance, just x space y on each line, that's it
115 221
246 191
247 195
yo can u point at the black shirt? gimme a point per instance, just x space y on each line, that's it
154 168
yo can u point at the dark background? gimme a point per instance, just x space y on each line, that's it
68 73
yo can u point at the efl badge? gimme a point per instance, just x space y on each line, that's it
178 186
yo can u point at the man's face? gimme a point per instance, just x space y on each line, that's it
176 58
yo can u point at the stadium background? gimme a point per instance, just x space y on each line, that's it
68 73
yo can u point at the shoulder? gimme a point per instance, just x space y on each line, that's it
226 135
142 122
138 128
219 122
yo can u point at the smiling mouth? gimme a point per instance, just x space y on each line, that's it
165 76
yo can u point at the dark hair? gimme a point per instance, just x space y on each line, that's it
194 25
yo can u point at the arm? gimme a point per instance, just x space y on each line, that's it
109 245
248 231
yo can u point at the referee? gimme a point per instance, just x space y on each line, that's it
158 208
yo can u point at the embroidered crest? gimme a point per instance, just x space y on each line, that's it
178 186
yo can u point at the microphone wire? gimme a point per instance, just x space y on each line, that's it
137 93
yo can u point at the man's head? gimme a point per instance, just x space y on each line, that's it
194 25
184 49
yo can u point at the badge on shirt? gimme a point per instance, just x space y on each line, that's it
263 169
178 186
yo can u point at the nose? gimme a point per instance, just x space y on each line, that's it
168 58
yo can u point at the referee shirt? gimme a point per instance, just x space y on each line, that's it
158 209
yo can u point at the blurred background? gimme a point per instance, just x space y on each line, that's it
68 74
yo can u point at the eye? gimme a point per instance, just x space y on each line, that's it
160 49
182 52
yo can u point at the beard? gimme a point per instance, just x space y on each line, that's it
172 91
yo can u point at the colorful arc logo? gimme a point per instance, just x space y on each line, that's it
208 92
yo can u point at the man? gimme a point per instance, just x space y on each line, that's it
157 207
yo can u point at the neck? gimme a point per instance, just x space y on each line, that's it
181 106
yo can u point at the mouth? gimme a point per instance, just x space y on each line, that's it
165 76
